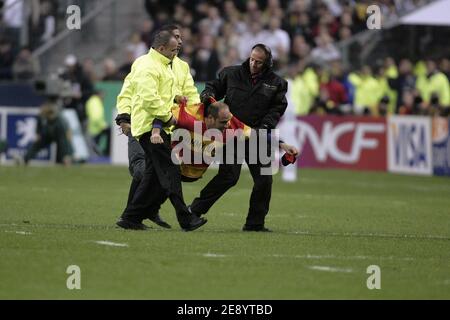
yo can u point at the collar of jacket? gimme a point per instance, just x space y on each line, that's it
246 66
159 57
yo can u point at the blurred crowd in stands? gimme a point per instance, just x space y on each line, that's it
302 34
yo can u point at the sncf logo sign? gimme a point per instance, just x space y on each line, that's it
353 143
326 144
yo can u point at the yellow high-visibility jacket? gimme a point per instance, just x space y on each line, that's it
368 92
305 89
96 115
437 84
182 78
148 92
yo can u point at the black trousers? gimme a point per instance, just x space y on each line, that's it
161 180
136 158
227 177
136 161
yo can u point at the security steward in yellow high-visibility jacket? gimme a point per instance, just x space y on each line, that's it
152 85
184 87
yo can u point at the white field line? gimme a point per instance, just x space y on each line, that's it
213 255
278 215
306 233
380 185
372 235
19 232
229 214
324 257
330 256
319 257
291 215
112 244
61 226
330 269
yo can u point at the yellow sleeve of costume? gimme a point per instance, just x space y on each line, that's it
176 111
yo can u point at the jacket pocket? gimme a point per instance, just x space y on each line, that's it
267 91
237 94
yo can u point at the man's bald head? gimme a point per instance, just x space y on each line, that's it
217 116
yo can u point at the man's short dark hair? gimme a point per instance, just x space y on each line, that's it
169 27
162 38
214 109
165 28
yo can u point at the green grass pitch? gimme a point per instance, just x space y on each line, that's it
329 227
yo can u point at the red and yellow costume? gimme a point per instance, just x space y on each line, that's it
186 117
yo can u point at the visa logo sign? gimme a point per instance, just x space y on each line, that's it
410 145
409 141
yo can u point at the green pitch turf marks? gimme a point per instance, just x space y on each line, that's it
329 228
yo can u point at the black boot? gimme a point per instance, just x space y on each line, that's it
190 222
129 224
160 222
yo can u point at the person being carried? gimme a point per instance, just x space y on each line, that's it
216 116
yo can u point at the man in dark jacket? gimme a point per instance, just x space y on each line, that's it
257 97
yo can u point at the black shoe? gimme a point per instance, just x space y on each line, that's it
190 211
131 225
256 228
194 224
160 222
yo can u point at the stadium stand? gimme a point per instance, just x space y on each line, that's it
334 63
305 36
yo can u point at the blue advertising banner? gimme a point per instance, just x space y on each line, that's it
19 95
1 125
20 132
441 146
2 134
